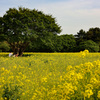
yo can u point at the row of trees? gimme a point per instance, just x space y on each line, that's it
69 43
89 40
63 43
23 29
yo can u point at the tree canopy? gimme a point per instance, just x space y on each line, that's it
92 34
20 26
89 45
68 43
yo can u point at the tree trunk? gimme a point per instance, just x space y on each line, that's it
19 48
20 52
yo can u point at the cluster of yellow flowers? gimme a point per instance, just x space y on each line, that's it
84 53
54 76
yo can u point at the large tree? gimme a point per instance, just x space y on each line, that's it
20 26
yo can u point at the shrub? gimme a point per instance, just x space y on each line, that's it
89 45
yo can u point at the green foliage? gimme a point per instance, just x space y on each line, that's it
11 94
4 46
43 44
68 43
54 43
21 26
47 43
93 34
89 45
80 36
58 44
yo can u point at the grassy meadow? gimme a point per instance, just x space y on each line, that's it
50 76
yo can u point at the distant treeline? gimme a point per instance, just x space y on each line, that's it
63 43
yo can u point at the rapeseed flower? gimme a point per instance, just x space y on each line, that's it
52 76
88 93
98 94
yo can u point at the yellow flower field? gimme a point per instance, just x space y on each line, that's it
50 76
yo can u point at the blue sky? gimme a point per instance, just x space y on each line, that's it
71 15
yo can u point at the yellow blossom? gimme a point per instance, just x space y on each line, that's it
98 94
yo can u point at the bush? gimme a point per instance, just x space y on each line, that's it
89 45
4 46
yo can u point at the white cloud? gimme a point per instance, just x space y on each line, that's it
74 15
